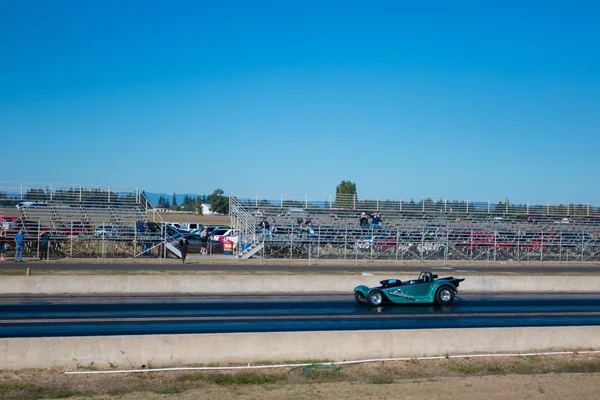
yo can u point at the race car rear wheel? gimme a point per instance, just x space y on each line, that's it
360 297
375 298
444 295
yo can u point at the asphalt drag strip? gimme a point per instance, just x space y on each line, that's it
140 315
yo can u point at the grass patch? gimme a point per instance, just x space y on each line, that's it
586 367
118 392
60 394
523 368
316 374
188 378
169 390
494 369
407 374
530 359
10 272
244 378
16 387
465 369
28 391
381 379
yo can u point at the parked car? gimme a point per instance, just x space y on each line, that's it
106 231
230 234
148 227
74 228
27 225
219 232
30 228
483 239
191 226
114 231
7 222
194 245
32 204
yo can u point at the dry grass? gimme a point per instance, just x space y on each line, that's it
576 376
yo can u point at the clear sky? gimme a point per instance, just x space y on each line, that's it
479 100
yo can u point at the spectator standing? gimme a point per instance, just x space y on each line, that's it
146 249
19 241
2 244
364 221
204 241
376 221
183 247
44 239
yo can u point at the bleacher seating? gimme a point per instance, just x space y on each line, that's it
76 217
440 230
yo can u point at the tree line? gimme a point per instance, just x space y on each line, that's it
217 202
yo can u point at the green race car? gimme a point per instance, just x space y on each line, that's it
427 288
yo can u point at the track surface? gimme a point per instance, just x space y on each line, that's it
90 316
204 266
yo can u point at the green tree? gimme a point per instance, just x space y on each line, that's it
174 201
218 202
163 202
345 194
198 206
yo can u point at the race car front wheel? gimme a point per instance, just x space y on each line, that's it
375 298
444 295
360 297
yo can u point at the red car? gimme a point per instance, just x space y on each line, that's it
74 229
484 239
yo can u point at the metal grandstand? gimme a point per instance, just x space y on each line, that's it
83 221
416 230
86 221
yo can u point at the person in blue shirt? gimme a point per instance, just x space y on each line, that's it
376 221
19 241
44 239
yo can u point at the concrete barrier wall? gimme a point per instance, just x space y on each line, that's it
175 350
232 284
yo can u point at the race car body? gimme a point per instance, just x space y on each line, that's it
427 288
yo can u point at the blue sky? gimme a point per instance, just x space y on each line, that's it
478 100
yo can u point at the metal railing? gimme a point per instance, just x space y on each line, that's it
243 221
347 204
442 242
76 240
